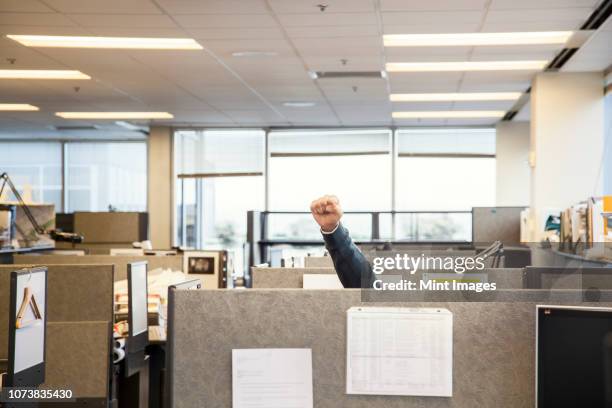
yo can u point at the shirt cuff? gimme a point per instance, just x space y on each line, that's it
330 232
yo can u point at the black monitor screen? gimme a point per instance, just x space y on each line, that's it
571 350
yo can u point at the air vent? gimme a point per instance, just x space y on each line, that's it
347 74
75 128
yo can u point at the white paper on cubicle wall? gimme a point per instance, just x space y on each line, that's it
272 378
321 281
30 335
399 351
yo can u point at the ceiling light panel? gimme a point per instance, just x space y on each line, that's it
41 74
534 65
438 97
106 42
16 107
114 115
474 39
447 114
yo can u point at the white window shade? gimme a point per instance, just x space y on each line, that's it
330 142
441 142
213 153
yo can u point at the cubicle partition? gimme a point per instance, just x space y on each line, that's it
174 262
267 278
79 316
493 345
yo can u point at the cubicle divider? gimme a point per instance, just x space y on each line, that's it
285 278
318 262
174 262
80 317
265 278
493 345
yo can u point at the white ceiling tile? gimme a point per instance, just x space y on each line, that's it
431 5
40 30
334 63
330 32
213 6
105 6
537 15
36 19
312 7
124 20
155 32
595 54
542 25
270 33
543 4
235 21
226 48
24 6
326 20
432 17
427 54
447 27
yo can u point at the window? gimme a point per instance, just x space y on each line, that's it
443 170
220 176
355 165
35 169
106 176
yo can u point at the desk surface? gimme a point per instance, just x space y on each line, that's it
157 335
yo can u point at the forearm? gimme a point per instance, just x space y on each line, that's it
350 264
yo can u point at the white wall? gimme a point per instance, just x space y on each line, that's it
512 164
160 192
567 139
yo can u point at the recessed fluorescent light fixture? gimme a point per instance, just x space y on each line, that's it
246 54
471 39
114 115
299 104
465 66
14 107
466 96
106 42
41 74
448 114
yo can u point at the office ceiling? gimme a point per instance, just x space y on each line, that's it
212 87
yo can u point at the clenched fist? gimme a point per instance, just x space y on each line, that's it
326 212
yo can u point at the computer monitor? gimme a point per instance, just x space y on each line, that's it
570 350
27 328
137 307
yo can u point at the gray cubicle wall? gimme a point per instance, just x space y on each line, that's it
496 224
286 278
79 316
493 351
265 278
78 357
75 293
165 262
318 262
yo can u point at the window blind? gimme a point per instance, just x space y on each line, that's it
329 142
451 142
215 153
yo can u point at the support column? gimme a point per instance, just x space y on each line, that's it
512 164
567 140
160 187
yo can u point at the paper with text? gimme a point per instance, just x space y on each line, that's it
399 351
321 281
272 378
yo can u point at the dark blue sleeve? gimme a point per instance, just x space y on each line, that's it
351 265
